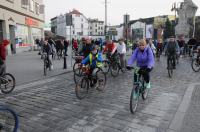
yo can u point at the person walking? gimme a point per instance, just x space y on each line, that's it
3 53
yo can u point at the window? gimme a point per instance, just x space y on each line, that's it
37 8
98 33
96 30
73 32
95 25
1 31
90 33
81 25
99 28
32 5
24 3
90 27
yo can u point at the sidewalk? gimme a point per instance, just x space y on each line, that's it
27 67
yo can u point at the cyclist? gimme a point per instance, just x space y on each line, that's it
145 60
172 48
3 46
86 47
159 47
110 48
121 50
94 59
47 49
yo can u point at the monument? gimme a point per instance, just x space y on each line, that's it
186 12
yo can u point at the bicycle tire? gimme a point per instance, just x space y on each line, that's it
101 80
8 77
45 67
170 69
195 62
134 101
124 69
114 68
84 86
3 123
76 70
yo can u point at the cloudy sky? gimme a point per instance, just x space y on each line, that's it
116 8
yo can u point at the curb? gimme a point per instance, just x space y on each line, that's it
177 121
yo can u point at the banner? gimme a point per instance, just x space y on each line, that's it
149 31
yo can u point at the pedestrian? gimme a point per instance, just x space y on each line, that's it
75 45
153 48
66 44
3 53
121 50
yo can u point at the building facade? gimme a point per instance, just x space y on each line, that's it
21 21
79 25
96 27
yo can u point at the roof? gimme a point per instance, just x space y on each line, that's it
76 12
95 20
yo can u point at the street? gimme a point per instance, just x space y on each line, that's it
50 104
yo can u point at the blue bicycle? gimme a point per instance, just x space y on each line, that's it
9 121
138 90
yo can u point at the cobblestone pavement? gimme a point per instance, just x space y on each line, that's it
51 105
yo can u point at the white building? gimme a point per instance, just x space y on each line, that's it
21 21
79 27
96 27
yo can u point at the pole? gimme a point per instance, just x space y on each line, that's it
105 18
194 26
71 44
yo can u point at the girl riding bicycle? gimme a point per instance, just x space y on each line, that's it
145 61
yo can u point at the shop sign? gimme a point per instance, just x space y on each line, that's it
31 22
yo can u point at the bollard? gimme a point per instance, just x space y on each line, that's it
65 62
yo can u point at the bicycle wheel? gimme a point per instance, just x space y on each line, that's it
8 120
170 69
101 80
45 67
7 83
134 99
114 68
105 66
82 87
195 65
76 68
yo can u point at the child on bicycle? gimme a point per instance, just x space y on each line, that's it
143 55
94 60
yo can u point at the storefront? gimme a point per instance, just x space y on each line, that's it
21 36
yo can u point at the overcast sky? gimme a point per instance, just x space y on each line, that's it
116 8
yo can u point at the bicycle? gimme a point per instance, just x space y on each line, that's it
196 62
170 66
9 121
138 90
77 68
7 83
46 64
113 65
88 79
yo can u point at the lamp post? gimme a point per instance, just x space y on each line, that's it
106 2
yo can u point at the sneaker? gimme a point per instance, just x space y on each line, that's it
148 86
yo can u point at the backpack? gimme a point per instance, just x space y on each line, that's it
171 48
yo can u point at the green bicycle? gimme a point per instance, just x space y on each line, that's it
138 90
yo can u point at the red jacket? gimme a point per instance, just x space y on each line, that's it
3 49
75 45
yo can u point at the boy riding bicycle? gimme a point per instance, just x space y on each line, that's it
94 60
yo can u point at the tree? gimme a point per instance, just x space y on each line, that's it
168 30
